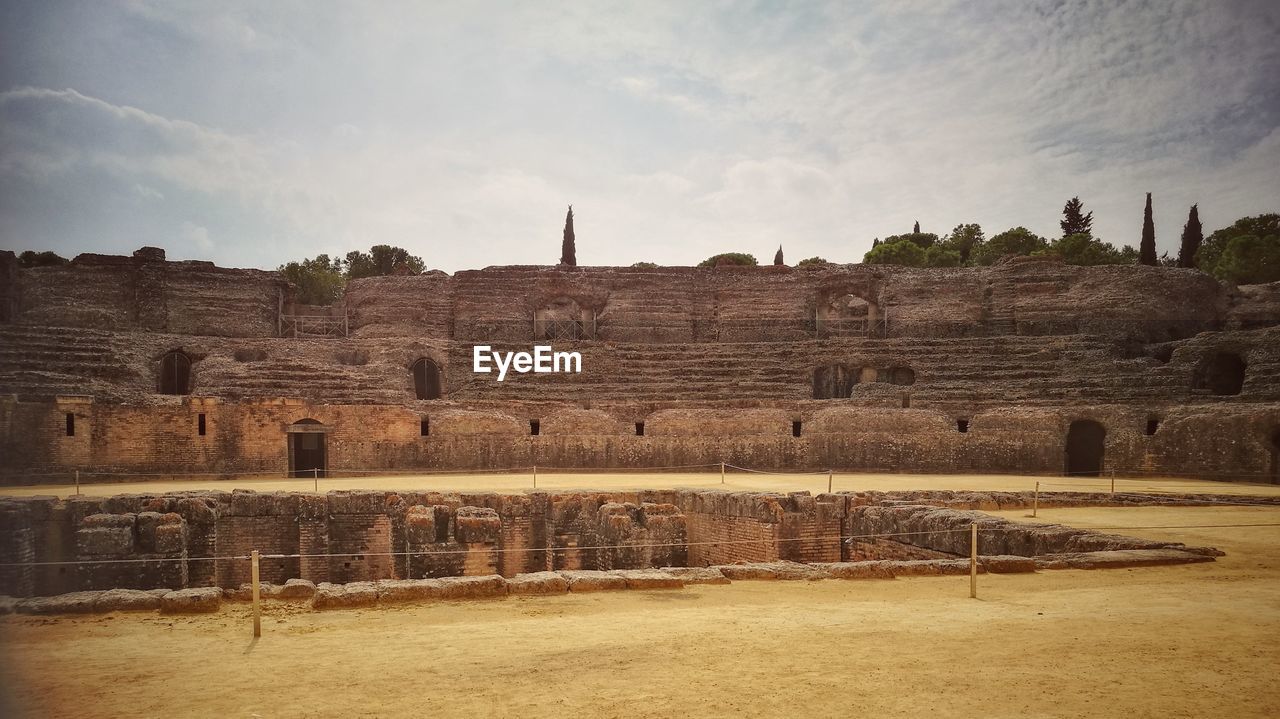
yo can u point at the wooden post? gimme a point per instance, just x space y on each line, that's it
829 475
722 473
315 477
535 476
253 575
973 560
77 483
1113 481
1035 500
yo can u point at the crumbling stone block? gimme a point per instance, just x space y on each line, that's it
492 585
339 596
113 600
1007 564
194 600
773 570
588 580
696 575
538 583
70 603
857 570
649 579
297 589
409 590
478 525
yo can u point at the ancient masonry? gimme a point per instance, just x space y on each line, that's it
140 365
201 540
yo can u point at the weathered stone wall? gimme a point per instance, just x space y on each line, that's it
710 365
202 539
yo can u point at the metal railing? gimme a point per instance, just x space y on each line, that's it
311 326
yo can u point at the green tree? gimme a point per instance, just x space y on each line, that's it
645 266
1017 241
923 240
1250 260
1082 249
568 249
30 258
1147 248
1215 245
777 259
382 260
1074 221
740 259
813 262
318 281
942 255
905 253
1192 237
964 239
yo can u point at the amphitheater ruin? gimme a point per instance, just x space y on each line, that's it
117 368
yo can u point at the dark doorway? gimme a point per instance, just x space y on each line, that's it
1085 447
426 379
1275 456
833 382
307 449
796 427
175 373
1222 374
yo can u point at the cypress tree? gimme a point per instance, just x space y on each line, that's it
1147 250
1073 221
568 255
1192 236
916 229
777 259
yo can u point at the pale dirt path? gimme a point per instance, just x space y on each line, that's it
1191 641
734 481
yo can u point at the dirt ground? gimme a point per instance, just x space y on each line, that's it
1191 641
734 481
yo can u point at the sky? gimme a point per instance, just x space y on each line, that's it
256 133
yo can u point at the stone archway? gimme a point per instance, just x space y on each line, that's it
1086 445
426 379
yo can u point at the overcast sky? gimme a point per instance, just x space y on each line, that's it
256 133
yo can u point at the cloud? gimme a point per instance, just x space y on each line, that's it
676 130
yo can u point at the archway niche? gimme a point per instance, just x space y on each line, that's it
1221 373
426 379
1086 444
175 373
833 381
563 319
904 376
1275 456
307 457
845 313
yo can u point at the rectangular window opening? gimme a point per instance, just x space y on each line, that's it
425 427
533 427
200 424
71 425
795 428
639 429
1152 425
962 425
906 401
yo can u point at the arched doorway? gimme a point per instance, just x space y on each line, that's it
426 379
1085 447
175 373
1222 374
1275 456
307 448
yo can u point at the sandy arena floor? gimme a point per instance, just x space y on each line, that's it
1192 641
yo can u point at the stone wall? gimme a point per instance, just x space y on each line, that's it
680 366
201 539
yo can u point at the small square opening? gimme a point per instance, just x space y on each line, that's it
534 427
424 427
796 426
639 429
1153 424
962 425
71 425
200 424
